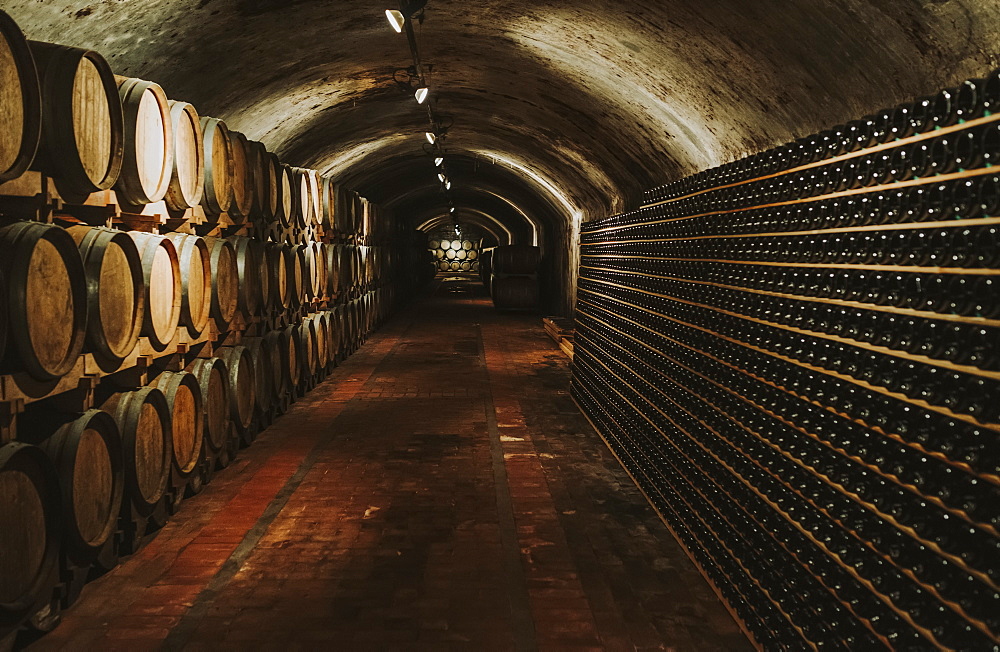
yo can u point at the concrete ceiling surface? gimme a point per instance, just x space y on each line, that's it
571 106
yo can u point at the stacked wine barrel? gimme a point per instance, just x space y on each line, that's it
797 357
176 342
513 280
455 255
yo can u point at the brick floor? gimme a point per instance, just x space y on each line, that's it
439 491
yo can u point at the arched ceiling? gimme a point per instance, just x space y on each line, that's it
563 109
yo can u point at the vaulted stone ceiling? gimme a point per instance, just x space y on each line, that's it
561 108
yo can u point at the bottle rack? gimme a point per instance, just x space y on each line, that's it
797 358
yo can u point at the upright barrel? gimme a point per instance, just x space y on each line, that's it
30 531
82 125
515 259
20 102
187 176
225 281
162 283
187 419
515 292
322 322
115 290
143 420
218 186
46 299
195 265
87 453
148 159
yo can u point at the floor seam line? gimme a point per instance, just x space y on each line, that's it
522 620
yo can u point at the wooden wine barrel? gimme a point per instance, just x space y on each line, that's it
148 158
249 254
285 211
278 341
20 102
297 274
515 292
461 255
187 419
115 290
335 330
308 356
278 284
307 258
265 180
162 284
359 277
187 176
347 268
266 373
243 181
143 419
322 330
218 186
213 379
88 456
332 254
320 273
315 189
516 259
225 281
289 351
46 299
194 263
301 197
242 386
473 254
30 531
82 142
328 203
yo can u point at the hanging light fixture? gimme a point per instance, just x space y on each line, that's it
396 19
438 161
447 185
421 94
442 177
431 137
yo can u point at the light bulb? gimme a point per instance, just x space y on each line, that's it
431 137
396 19
438 161
442 177
421 94
451 210
447 185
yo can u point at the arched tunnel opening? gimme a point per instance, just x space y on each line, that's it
502 325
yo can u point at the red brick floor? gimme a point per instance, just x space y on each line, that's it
439 491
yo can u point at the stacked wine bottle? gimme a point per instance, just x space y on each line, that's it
797 357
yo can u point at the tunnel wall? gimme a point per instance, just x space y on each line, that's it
796 358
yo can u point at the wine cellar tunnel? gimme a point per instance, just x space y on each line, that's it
279 277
